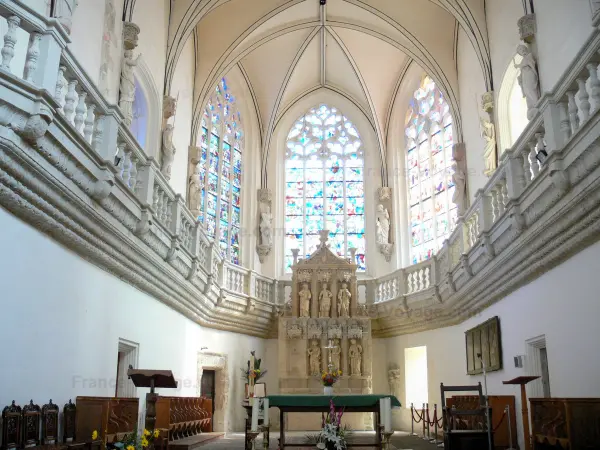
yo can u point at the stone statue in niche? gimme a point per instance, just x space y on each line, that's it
265 228
335 354
314 358
305 297
344 301
127 87
459 177
488 132
528 79
168 151
355 355
194 190
325 297
383 225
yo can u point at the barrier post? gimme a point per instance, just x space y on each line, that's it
423 420
435 425
412 420
428 438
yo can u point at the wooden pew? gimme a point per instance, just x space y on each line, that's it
561 423
111 417
183 419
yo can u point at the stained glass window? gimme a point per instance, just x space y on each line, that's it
221 143
429 164
324 185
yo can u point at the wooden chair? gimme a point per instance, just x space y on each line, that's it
11 427
31 421
50 424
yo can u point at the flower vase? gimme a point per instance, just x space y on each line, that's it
327 390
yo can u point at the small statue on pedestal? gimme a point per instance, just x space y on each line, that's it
305 297
344 301
325 297
334 354
314 355
355 355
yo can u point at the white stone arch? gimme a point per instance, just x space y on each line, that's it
154 100
376 263
217 362
509 83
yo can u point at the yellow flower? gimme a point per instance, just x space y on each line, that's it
146 432
144 442
156 433
94 435
130 447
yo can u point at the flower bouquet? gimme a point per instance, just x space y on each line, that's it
133 441
330 377
333 435
255 372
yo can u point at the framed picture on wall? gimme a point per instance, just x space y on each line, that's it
484 339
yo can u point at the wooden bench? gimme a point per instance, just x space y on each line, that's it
184 418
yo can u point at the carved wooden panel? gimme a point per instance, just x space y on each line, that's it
484 339
49 423
11 427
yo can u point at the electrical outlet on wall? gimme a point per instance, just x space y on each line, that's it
519 361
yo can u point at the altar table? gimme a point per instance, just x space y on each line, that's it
320 403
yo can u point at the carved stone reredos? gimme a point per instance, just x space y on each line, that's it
314 330
355 331
294 331
324 275
334 330
304 276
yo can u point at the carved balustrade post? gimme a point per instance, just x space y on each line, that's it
51 45
146 176
371 293
554 132
515 175
176 208
105 142
250 286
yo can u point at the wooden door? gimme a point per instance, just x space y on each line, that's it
207 389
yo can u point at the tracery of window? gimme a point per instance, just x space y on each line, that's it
324 185
428 132
220 168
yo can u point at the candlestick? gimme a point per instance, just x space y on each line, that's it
255 409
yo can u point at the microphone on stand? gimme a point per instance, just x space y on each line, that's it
487 405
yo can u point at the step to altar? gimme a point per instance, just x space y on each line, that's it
191 442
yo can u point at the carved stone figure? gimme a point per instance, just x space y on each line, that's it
127 87
459 177
305 297
383 225
344 301
314 357
528 79
63 11
168 151
355 355
194 190
325 297
335 354
265 228
488 132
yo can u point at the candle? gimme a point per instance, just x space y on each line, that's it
381 411
255 409
388 414
266 412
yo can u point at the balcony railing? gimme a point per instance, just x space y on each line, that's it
102 159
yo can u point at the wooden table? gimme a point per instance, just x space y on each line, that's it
320 403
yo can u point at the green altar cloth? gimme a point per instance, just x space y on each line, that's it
322 401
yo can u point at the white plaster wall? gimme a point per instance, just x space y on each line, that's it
562 305
562 28
182 89
472 86
63 318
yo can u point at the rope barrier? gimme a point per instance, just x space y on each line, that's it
415 420
499 423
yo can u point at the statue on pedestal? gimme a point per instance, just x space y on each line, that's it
305 297
325 297
528 79
314 356
355 355
194 190
344 301
127 87
335 354
168 151
488 132
383 225
265 228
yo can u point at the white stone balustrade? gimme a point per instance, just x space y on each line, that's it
162 205
263 288
236 278
418 276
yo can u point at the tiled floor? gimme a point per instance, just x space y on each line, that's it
235 441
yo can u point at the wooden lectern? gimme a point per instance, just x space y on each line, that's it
152 379
523 381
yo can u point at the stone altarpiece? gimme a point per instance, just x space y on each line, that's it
327 330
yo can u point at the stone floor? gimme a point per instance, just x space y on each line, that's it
235 441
